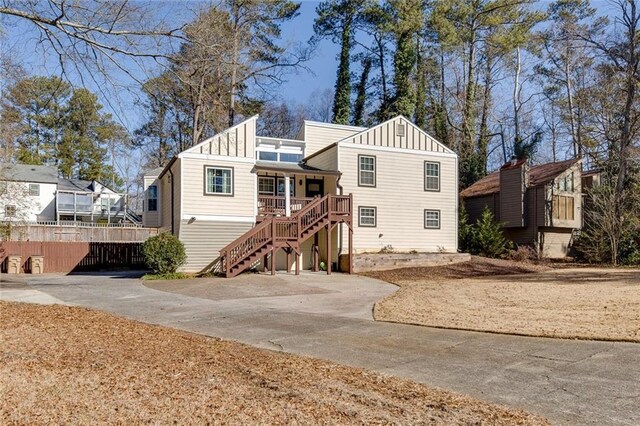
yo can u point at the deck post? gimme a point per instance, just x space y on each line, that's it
273 261
316 255
329 248
287 195
264 263
288 260
297 263
350 250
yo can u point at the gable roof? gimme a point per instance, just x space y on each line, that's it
29 173
440 147
538 175
206 142
351 139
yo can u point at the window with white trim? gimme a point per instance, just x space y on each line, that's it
219 180
266 185
366 170
367 216
292 187
34 189
152 198
431 176
432 219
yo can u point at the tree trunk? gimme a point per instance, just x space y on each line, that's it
342 99
483 139
361 98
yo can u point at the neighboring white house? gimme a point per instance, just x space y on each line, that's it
36 194
403 186
28 193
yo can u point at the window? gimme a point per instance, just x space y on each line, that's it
105 203
565 183
366 170
290 158
292 187
367 216
268 156
432 219
218 180
9 211
34 189
266 185
563 207
431 176
400 130
152 198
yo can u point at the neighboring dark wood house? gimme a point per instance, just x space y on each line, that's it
540 206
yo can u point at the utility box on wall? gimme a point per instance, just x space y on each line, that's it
37 264
14 264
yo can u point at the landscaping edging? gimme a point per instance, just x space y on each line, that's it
384 261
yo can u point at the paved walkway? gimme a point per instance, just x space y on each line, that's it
569 382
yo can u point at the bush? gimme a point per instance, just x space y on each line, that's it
164 253
523 254
465 230
487 238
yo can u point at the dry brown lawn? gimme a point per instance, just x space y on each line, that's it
516 298
71 365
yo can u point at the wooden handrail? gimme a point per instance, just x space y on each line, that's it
274 230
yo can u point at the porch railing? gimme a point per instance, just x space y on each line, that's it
276 205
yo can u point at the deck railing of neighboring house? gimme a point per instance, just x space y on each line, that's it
272 205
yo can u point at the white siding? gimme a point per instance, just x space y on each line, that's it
321 135
327 160
203 240
30 207
196 203
400 200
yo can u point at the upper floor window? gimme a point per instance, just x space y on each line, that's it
563 207
152 198
34 189
285 157
431 176
218 180
366 170
566 183
267 156
9 211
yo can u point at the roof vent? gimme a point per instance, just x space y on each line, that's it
400 130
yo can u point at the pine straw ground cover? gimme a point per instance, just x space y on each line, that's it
485 295
63 364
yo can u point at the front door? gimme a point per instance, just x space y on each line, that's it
314 187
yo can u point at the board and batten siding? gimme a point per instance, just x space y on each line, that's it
400 200
388 135
320 135
326 160
236 141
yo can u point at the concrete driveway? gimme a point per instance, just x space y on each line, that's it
569 382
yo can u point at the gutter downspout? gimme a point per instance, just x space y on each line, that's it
172 203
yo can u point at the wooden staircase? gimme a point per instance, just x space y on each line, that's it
274 233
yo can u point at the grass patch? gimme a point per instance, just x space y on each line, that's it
167 276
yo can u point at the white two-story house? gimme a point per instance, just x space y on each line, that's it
240 199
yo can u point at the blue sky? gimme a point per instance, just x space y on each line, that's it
21 41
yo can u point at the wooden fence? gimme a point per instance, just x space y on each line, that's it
38 232
74 256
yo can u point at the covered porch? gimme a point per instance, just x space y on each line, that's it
298 194
283 189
